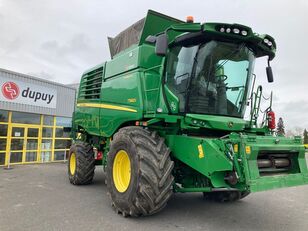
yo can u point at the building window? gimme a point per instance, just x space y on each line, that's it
26 118
31 156
62 144
2 158
33 137
32 144
2 144
4 116
33 132
46 144
18 132
47 132
46 156
16 157
3 130
17 144
64 122
61 133
60 155
48 120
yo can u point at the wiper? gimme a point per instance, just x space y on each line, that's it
235 88
230 55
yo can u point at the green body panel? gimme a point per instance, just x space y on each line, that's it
209 164
129 90
129 85
156 23
216 122
135 57
214 160
298 175
88 118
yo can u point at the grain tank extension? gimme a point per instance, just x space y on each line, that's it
166 115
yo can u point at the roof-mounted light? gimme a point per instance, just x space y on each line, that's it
233 30
236 31
244 32
267 42
189 19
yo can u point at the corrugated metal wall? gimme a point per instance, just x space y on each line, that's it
65 96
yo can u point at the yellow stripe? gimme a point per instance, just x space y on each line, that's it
105 106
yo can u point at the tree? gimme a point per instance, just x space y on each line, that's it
280 127
305 134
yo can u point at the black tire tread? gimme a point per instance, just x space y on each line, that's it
85 163
155 167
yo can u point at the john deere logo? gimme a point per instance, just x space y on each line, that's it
10 90
173 106
230 124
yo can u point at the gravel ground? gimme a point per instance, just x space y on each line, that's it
39 197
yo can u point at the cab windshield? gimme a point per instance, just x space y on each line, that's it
210 78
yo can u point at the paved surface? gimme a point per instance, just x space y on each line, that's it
39 197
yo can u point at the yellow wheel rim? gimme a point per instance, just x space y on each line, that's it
121 171
73 163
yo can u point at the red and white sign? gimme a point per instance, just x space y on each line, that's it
10 90
26 93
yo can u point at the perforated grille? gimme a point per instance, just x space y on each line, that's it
91 84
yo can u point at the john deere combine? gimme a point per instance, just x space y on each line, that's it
165 115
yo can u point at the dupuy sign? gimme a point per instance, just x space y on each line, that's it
20 92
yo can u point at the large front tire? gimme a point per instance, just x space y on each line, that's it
81 163
139 170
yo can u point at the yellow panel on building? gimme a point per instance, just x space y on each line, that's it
33 138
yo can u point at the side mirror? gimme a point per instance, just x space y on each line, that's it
151 39
161 44
269 74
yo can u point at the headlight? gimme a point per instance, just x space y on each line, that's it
267 42
244 33
230 29
236 31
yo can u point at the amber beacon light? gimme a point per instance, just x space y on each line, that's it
190 19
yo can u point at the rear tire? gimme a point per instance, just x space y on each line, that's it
81 163
149 185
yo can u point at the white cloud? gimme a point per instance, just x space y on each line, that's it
63 38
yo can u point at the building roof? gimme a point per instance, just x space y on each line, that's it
36 78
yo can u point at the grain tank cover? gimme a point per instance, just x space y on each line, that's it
126 38
152 24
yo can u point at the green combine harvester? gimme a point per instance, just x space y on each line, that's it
166 115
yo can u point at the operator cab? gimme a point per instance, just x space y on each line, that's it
210 77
